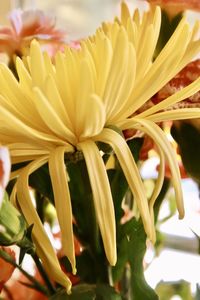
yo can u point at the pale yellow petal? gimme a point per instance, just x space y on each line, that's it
131 173
44 248
125 14
94 118
37 67
184 93
176 114
103 201
53 96
51 118
158 185
159 137
62 200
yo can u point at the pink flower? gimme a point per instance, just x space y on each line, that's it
6 269
5 167
26 25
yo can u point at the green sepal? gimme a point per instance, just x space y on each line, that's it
26 245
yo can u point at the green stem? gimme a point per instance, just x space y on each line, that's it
44 275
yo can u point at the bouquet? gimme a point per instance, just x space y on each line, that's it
77 121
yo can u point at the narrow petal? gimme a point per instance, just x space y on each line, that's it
17 127
44 248
176 114
53 96
103 201
184 93
158 185
95 117
125 14
159 181
62 200
161 71
131 173
37 67
159 137
51 118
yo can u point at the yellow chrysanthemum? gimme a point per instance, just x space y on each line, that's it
71 105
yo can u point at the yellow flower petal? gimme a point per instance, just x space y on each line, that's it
177 114
131 173
173 99
159 137
50 116
62 200
44 248
103 202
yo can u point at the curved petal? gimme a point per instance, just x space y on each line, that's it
51 118
159 137
103 201
177 114
16 127
44 248
158 185
62 200
161 70
95 117
131 173
184 93
159 181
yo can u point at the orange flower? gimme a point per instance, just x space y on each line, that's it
26 25
177 5
15 290
181 168
181 80
6 269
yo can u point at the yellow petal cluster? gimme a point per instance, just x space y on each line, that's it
59 108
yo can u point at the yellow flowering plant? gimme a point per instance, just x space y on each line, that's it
63 122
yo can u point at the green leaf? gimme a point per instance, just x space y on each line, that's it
118 191
166 290
88 292
122 258
106 292
188 139
137 247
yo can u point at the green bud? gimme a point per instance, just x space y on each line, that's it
12 223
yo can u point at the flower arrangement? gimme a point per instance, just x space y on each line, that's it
75 123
